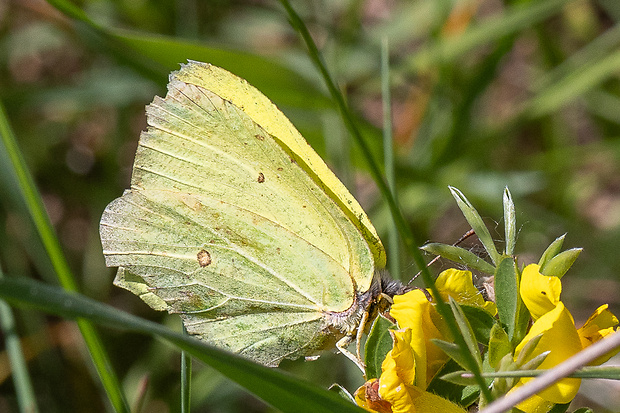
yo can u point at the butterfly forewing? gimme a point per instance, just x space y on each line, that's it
223 226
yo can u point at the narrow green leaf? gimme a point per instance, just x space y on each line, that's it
388 157
186 379
460 256
466 332
535 362
157 55
552 250
507 294
561 408
36 211
561 263
453 351
281 390
516 18
342 392
587 372
404 229
462 377
378 344
528 349
447 390
576 83
599 372
510 222
499 345
26 399
475 221
480 322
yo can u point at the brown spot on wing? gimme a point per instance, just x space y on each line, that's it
261 178
204 258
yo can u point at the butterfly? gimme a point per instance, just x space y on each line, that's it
235 223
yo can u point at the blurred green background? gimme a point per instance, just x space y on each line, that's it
486 94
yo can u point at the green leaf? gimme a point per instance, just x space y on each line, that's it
499 345
342 392
598 372
510 222
156 55
535 362
378 344
24 392
282 391
515 18
552 250
447 390
279 83
453 351
20 177
560 264
528 349
186 379
459 255
561 408
480 322
473 218
576 83
466 332
507 294
461 377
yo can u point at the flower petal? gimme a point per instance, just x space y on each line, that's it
600 324
401 358
425 402
459 285
539 292
560 338
411 310
367 397
535 404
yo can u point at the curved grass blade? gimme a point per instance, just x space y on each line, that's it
155 56
282 391
388 157
36 211
516 18
186 379
26 399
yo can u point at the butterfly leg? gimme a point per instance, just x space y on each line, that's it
342 345
358 336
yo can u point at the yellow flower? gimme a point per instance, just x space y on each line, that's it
415 360
559 336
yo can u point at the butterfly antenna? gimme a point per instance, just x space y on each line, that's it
434 260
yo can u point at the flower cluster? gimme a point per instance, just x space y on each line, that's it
528 329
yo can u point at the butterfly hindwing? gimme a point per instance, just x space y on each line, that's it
224 226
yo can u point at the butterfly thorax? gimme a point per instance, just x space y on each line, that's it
375 300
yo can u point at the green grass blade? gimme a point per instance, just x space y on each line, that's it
37 213
574 84
517 18
186 379
404 229
282 391
388 157
26 399
156 55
